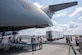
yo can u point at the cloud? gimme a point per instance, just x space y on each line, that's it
75 31
76 12
80 18
60 14
72 24
38 4
54 22
78 30
69 28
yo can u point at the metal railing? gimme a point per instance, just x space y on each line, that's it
71 46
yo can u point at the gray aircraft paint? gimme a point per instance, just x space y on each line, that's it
14 14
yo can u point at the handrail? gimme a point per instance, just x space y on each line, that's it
70 45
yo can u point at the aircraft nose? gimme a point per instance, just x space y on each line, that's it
12 14
40 18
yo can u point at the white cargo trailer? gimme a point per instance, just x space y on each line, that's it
54 35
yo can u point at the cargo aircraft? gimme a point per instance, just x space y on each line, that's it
22 14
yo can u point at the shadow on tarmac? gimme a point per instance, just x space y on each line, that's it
12 51
15 51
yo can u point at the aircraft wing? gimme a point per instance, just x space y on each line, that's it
62 6
53 8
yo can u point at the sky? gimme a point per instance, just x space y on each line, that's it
68 21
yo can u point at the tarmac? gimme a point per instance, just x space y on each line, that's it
58 47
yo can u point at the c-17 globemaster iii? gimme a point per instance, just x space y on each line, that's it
22 14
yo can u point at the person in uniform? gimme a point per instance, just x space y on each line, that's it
33 42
